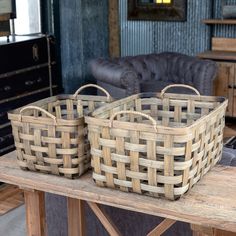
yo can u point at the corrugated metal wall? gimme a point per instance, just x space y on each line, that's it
189 37
137 37
228 31
84 35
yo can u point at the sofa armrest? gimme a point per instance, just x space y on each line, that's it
205 76
111 73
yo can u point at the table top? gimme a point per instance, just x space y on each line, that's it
211 202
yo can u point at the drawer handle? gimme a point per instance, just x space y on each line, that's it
7 88
39 80
232 87
29 82
35 50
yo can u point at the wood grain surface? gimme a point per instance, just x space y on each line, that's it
224 44
11 197
218 55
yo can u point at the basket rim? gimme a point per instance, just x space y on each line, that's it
184 129
14 113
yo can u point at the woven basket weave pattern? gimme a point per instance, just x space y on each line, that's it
163 155
51 136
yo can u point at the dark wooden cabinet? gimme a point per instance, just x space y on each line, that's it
225 85
225 82
27 73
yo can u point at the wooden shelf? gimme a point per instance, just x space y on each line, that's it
5 17
220 21
218 55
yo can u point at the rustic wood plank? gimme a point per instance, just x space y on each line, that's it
202 231
218 55
207 231
114 29
224 44
200 206
234 102
229 131
162 227
104 219
76 217
5 17
35 213
11 197
220 21
224 84
218 232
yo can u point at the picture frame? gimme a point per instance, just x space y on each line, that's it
149 10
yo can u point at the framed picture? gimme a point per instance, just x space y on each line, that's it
8 7
159 10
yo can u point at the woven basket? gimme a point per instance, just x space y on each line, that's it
156 144
51 136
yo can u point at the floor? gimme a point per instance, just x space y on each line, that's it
12 211
10 198
13 223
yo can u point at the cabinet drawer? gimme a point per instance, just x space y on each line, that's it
6 137
5 107
24 82
19 55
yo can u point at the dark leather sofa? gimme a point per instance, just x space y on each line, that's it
152 72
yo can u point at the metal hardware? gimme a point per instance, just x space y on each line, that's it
39 80
232 87
16 72
27 94
29 82
49 66
7 88
35 50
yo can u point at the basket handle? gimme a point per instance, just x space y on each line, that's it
94 86
163 91
38 109
135 113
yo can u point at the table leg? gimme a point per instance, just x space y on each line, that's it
104 219
206 231
76 217
35 213
162 227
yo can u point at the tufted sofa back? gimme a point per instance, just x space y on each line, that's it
155 71
168 68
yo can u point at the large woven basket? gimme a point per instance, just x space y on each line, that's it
51 136
156 144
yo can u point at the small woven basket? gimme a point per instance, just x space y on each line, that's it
156 144
51 136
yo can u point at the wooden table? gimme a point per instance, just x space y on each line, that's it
210 204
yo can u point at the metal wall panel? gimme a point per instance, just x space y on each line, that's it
84 35
189 37
136 37
225 31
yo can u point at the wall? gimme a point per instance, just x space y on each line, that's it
189 37
228 31
84 35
